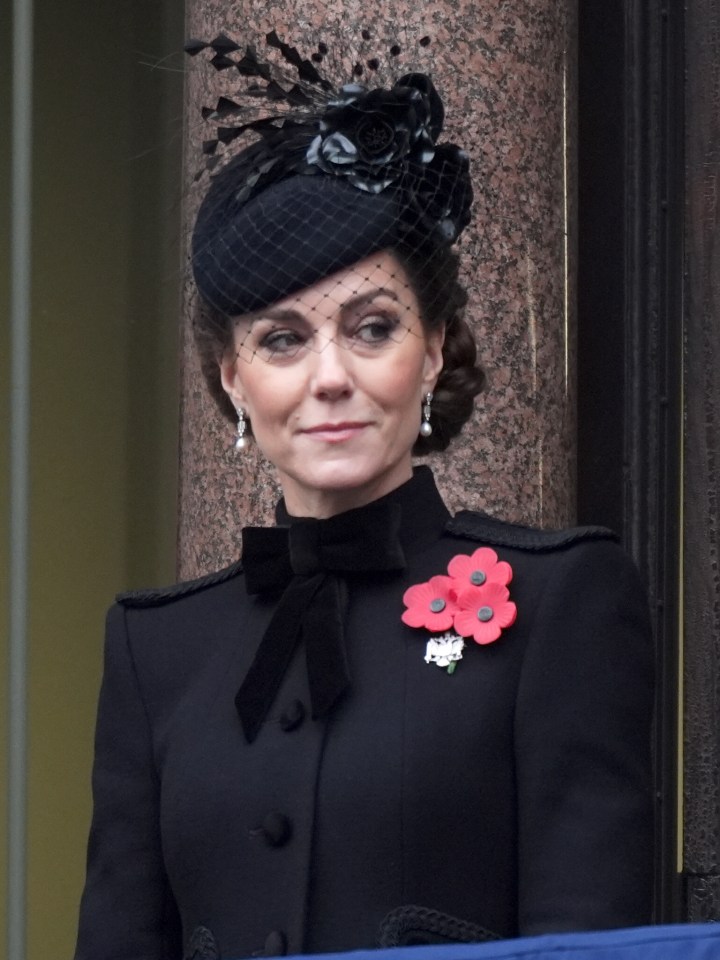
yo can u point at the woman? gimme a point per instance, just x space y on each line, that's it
385 725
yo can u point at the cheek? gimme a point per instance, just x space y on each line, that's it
401 385
272 397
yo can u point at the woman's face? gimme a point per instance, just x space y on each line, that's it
332 380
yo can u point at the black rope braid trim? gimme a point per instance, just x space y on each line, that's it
410 925
158 596
481 526
202 946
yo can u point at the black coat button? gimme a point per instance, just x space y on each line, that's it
292 716
275 944
276 829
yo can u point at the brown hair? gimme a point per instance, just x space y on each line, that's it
442 300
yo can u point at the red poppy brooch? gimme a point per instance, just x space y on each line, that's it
473 601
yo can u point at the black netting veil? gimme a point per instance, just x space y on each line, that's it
334 224
337 175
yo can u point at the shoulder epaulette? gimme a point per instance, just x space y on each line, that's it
157 597
500 533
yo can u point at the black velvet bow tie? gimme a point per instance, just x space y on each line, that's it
310 562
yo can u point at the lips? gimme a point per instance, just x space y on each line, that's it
336 432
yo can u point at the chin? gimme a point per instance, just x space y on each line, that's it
343 479
349 480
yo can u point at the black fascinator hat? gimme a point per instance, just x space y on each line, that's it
339 175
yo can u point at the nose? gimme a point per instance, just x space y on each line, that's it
332 378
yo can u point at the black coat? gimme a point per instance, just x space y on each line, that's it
513 795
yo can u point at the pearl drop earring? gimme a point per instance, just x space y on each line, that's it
241 441
426 427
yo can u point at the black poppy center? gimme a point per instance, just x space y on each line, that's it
375 135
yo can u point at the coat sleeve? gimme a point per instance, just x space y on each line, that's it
583 743
127 909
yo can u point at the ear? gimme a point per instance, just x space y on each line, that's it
433 358
230 379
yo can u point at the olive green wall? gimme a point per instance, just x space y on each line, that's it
105 294
5 67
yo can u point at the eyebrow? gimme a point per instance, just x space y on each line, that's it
346 307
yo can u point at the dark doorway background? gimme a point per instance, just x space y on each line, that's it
630 329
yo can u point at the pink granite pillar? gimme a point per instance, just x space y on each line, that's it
506 73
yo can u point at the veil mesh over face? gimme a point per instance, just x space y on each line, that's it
367 308
342 174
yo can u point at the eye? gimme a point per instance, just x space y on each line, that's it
283 341
376 328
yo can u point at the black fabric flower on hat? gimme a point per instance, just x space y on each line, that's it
440 192
372 136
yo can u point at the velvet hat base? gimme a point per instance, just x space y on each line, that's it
249 254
